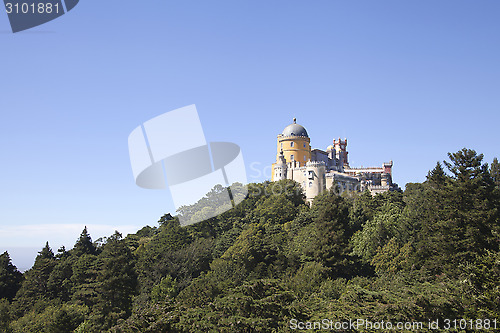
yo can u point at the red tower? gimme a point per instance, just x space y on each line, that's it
341 150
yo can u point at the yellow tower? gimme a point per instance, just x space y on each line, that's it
295 145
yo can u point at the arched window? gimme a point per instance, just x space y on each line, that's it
291 144
310 184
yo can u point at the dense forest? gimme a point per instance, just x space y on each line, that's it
273 263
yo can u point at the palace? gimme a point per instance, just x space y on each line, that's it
317 170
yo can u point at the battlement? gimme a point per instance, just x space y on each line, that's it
315 164
379 187
340 143
376 189
364 170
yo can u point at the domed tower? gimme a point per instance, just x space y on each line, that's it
294 142
293 146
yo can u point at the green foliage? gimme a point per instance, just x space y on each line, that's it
495 171
275 209
10 277
83 279
391 258
59 283
428 253
116 282
256 306
308 278
34 290
53 319
333 231
213 203
200 292
170 237
483 278
385 225
5 316
460 216
254 250
164 291
84 244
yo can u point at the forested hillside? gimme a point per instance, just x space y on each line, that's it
431 252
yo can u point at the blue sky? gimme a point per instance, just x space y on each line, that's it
402 80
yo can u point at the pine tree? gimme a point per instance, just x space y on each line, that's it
495 171
116 281
460 214
437 177
5 316
331 223
60 284
84 279
35 286
10 277
84 244
45 253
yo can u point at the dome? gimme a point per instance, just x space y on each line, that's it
295 130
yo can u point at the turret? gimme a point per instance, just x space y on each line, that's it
280 167
388 167
315 179
341 151
293 143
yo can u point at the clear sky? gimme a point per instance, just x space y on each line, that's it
402 80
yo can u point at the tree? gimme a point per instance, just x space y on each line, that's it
170 238
5 317
460 214
84 280
391 258
35 286
59 284
10 277
84 244
116 282
437 177
275 209
495 171
377 232
164 291
331 246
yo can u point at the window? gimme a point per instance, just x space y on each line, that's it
310 184
304 144
305 158
291 144
291 157
282 146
